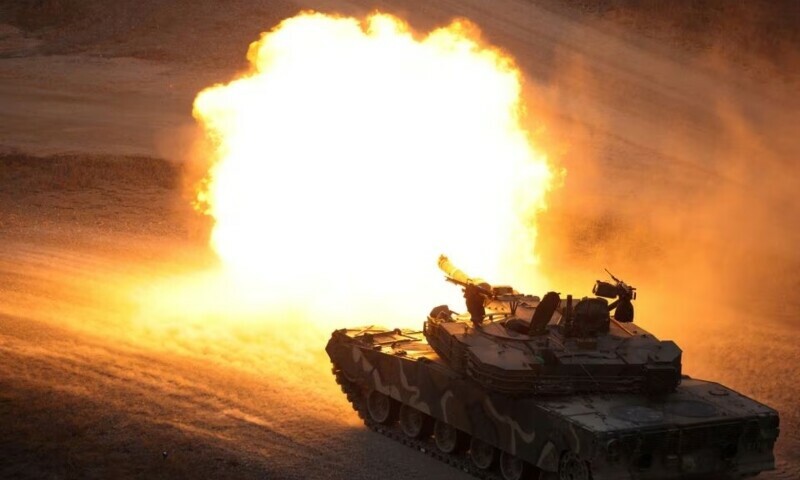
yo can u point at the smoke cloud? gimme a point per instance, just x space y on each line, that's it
681 179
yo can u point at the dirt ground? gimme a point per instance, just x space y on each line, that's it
682 161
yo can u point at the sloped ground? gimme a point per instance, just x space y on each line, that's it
96 383
759 36
678 131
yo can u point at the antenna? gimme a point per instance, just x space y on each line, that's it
612 276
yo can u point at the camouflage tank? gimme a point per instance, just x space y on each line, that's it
459 391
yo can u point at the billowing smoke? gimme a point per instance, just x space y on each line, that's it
354 153
682 180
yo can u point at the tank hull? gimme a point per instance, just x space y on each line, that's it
702 430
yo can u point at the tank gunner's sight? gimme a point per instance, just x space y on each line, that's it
622 292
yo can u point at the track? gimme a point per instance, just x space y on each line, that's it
458 461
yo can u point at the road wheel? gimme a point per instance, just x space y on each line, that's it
483 455
414 423
571 467
448 438
382 409
513 468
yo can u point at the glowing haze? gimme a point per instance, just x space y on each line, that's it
355 152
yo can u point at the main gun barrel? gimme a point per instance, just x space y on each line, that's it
455 274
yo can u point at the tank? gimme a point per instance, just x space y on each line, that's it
505 393
520 344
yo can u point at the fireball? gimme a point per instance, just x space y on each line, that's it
354 152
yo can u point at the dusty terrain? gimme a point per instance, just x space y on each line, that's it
682 172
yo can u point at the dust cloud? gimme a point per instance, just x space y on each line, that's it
681 179
175 307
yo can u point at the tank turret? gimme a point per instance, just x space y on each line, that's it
526 345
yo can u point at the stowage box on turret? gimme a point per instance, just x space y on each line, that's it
522 387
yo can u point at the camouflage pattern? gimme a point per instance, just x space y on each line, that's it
519 344
700 430
626 358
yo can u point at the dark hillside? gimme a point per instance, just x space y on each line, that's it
203 31
763 36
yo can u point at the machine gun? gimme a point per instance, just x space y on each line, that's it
622 292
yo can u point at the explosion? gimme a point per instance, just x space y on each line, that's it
354 152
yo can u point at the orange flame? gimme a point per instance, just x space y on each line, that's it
354 153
